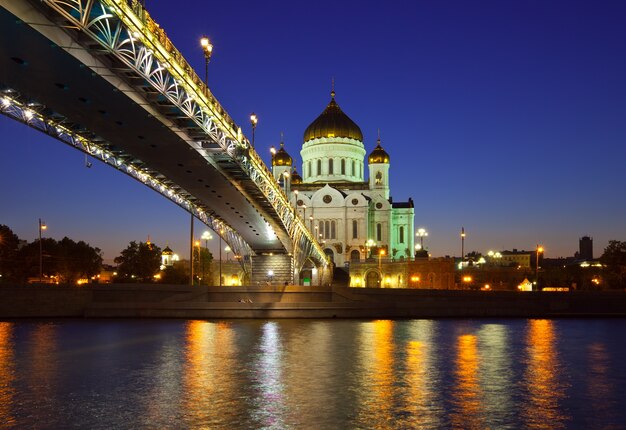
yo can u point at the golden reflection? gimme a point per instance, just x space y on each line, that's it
43 358
377 362
207 375
467 393
7 374
418 384
541 410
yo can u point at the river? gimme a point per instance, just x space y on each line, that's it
313 374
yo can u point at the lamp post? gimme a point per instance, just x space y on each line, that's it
270 276
369 245
197 245
42 226
538 251
253 121
462 243
227 250
207 48
221 233
191 251
381 252
421 233
206 236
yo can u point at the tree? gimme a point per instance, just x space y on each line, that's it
614 258
8 254
76 260
139 262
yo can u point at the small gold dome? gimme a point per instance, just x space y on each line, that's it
295 177
333 123
378 155
281 158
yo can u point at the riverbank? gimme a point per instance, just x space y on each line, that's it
163 301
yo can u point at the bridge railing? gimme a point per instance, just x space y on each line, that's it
140 42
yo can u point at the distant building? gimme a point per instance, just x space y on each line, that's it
522 258
585 246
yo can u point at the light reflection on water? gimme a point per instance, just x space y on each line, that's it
312 374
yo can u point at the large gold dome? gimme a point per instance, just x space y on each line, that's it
333 123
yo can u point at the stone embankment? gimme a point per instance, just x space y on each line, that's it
163 301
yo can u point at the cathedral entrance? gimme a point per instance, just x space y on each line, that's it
355 255
372 280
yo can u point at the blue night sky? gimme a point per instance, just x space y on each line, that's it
505 117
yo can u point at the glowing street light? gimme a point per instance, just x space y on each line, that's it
206 236
381 252
462 243
421 233
538 251
227 250
270 276
42 226
253 121
369 244
207 49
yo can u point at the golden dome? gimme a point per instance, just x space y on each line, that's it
378 155
281 158
295 177
333 123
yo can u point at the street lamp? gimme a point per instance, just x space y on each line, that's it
207 48
537 252
421 233
227 250
206 236
462 243
42 226
381 252
221 233
369 245
253 120
197 245
270 275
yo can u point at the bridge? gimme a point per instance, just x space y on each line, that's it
104 78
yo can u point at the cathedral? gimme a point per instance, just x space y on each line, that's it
349 210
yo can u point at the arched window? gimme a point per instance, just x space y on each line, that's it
332 230
343 166
319 167
355 255
321 232
361 171
353 172
326 230
309 171
401 234
379 178
330 166
355 229
379 232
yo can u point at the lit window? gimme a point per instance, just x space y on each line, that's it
379 178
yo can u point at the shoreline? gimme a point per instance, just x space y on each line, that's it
180 301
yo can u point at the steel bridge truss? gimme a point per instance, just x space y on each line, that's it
126 31
38 117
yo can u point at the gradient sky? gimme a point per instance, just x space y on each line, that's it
505 117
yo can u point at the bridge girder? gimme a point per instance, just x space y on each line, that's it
142 55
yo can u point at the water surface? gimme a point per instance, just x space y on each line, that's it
318 374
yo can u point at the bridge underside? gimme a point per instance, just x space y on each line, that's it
127 117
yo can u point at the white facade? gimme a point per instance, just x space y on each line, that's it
342 208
